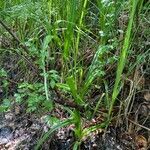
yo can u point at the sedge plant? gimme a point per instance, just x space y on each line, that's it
59 26
123 56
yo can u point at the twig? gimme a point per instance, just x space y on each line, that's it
9 30
13 35
139 125
22 45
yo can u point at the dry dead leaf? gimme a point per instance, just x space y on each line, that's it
139 79
147 96
141 142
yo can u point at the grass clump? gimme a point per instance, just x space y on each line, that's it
68 51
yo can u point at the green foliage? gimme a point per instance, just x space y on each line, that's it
107 18
3 78
32 95
6 104
78 124
53 128
3 73
123 56
57 34
53 78
74 91
96 69
4 84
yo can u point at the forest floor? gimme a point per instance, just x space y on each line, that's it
22 131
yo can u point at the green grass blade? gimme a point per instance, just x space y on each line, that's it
123 55
49 133
73 88
76 145
71 10
79 27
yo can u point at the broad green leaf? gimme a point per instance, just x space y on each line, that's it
54 128
73 89
47 40
63 86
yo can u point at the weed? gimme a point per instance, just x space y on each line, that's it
50 37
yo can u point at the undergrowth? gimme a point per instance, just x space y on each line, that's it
77 54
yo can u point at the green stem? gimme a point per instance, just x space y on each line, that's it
123 55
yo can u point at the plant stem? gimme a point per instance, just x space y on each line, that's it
123 56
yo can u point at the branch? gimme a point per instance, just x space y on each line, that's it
13 35
22 45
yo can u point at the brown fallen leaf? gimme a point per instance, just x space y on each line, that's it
147 96
141 142
139 79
